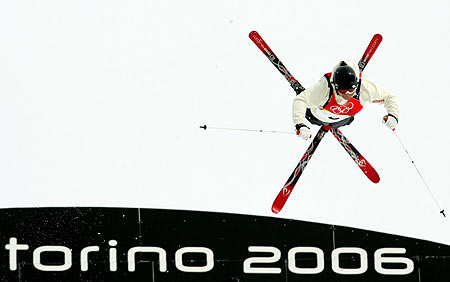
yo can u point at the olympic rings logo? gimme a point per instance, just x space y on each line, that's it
342 109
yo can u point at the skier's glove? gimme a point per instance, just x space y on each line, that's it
302 131
391 121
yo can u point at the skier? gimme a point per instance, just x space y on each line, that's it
338 97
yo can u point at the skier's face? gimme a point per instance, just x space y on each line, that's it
346 93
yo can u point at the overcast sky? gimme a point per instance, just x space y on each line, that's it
101 103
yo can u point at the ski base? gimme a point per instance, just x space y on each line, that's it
286 191
362 163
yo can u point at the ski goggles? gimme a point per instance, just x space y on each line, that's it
346 91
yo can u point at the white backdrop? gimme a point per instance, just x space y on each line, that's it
101 103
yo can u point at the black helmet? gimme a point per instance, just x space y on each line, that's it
344 77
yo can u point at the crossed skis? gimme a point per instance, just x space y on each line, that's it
362 163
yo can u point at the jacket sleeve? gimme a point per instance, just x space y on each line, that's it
372 93
314 96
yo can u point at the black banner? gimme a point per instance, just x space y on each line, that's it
118 244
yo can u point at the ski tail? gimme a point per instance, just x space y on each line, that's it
370 50
286 191
362 163
262 45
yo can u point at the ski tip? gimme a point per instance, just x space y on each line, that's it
375 179
275 210
372 175
377 38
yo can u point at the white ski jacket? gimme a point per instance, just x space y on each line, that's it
317 95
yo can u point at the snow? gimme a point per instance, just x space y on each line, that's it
101 104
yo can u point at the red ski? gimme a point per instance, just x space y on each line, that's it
362 163
286 191
262 45
370 50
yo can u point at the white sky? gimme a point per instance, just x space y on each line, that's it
101 102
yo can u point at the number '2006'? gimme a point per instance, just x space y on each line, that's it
379 259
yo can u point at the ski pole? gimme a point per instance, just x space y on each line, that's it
245 129
429 190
